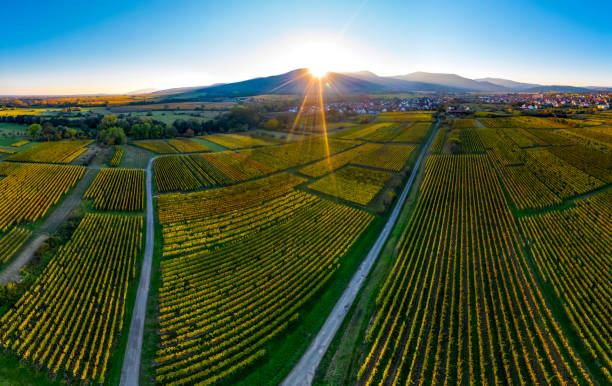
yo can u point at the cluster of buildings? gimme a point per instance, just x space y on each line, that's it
379 105
456 104
599 100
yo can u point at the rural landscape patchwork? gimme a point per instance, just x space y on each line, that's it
307 216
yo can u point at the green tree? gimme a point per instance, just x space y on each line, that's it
34 130
112 136
171 132
108 121
272 124
48 130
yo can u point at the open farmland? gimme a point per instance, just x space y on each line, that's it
498 275
495 271
237 141
356 193
195 171
158 146
117 189
11 242
52 152
186 145
300 152
27 191
396 127
68 328
444 289
178 145
352 184
211 340
332 163
116 159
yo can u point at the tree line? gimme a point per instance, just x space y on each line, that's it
114 129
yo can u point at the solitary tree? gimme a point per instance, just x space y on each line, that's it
34 130
272 124
48 130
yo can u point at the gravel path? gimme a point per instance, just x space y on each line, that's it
69 204
303 373
131 362
11 273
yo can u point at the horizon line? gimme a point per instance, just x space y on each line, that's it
126 93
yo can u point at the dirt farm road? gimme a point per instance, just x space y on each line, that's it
131 361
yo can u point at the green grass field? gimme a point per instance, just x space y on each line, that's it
168 117
11 133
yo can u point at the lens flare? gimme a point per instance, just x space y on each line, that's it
317 72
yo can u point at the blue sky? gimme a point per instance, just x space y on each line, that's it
59 47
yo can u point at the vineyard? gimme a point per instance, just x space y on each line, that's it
523 122
438 141
178 145
368 130
157 146
413 133
27 191
572 252
191 206
72 316
237 141
186 145
20 143
116 159
460 305
494 267
542 167
467 140
117 189
392 127
332 163
390 157
464 123
300 152
230 293
11 242
406 116
352 184
196 171
62 152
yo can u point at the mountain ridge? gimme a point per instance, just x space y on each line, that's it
299 81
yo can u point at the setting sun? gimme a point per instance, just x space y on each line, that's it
317 72
321 57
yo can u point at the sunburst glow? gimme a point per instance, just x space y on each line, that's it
317 72
320 57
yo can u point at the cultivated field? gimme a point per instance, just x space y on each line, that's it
72 316
496 272
500 272
52 152
27 191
